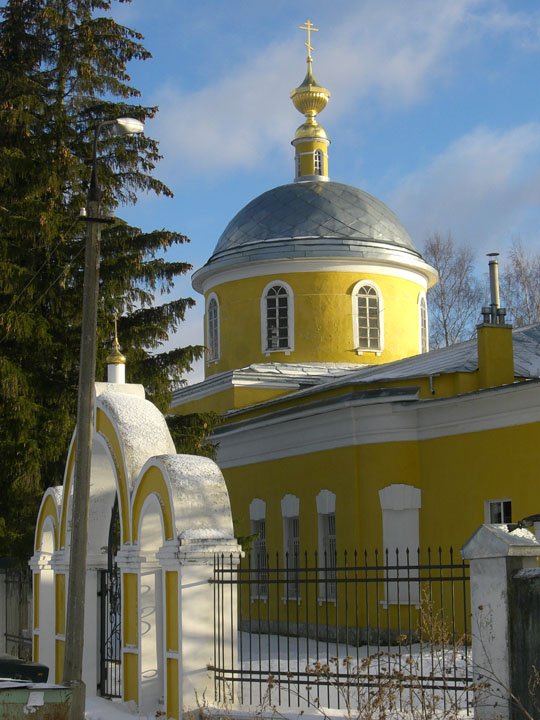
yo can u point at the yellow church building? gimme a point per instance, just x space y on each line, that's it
341 430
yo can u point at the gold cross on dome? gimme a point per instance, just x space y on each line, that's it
309 27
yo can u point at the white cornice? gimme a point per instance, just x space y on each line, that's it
228 380
401 265
350 422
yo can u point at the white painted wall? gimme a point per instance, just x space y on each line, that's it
151 608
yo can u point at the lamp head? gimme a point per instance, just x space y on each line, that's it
128 126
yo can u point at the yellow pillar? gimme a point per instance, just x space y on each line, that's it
130 616
60 622
171 640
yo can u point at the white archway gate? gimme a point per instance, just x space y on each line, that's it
174 515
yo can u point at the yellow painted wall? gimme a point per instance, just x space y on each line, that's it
456 475
232 398
306 152
322 317
304 476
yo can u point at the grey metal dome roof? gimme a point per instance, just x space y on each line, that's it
302 211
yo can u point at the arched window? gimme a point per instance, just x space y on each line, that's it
290 511
318 163
259 556
212 329
277 317
367 317
423 319
326 514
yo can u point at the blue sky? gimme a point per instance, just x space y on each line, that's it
435 109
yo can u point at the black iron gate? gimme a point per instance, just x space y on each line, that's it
109 593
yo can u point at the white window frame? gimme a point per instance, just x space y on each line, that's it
298 162
290 318
318 162
259 578
400 506
423 323
326 514
213 349
356 330
290 512
490 506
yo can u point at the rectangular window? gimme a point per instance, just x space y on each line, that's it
498 512
259 564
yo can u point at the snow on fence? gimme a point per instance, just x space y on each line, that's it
335 632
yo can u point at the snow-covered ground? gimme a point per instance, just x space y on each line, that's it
302 673
337 678
100 709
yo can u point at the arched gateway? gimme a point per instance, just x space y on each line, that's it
159 518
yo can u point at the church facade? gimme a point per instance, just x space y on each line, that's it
341 430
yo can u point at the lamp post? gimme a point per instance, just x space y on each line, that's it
74 638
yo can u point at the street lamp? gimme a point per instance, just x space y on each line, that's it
74 638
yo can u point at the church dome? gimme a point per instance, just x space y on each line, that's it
325 214
311 220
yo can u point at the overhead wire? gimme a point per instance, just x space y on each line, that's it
40 269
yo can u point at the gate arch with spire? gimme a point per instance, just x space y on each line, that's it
173 513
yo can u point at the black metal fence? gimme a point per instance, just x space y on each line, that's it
16 586
340 632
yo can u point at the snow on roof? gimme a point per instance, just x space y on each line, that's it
200 497
462 357
142 429
301 369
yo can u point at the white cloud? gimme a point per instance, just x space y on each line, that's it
242 118
484 188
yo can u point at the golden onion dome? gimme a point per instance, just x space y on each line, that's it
116 357
311 129
310 98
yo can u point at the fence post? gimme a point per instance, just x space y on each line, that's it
196 619
496 556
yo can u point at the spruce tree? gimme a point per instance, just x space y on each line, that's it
63 69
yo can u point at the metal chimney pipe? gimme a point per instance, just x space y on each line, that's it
494 285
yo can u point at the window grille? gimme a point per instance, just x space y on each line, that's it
329 556
277 318
293 556
213 330
369 324
259 562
